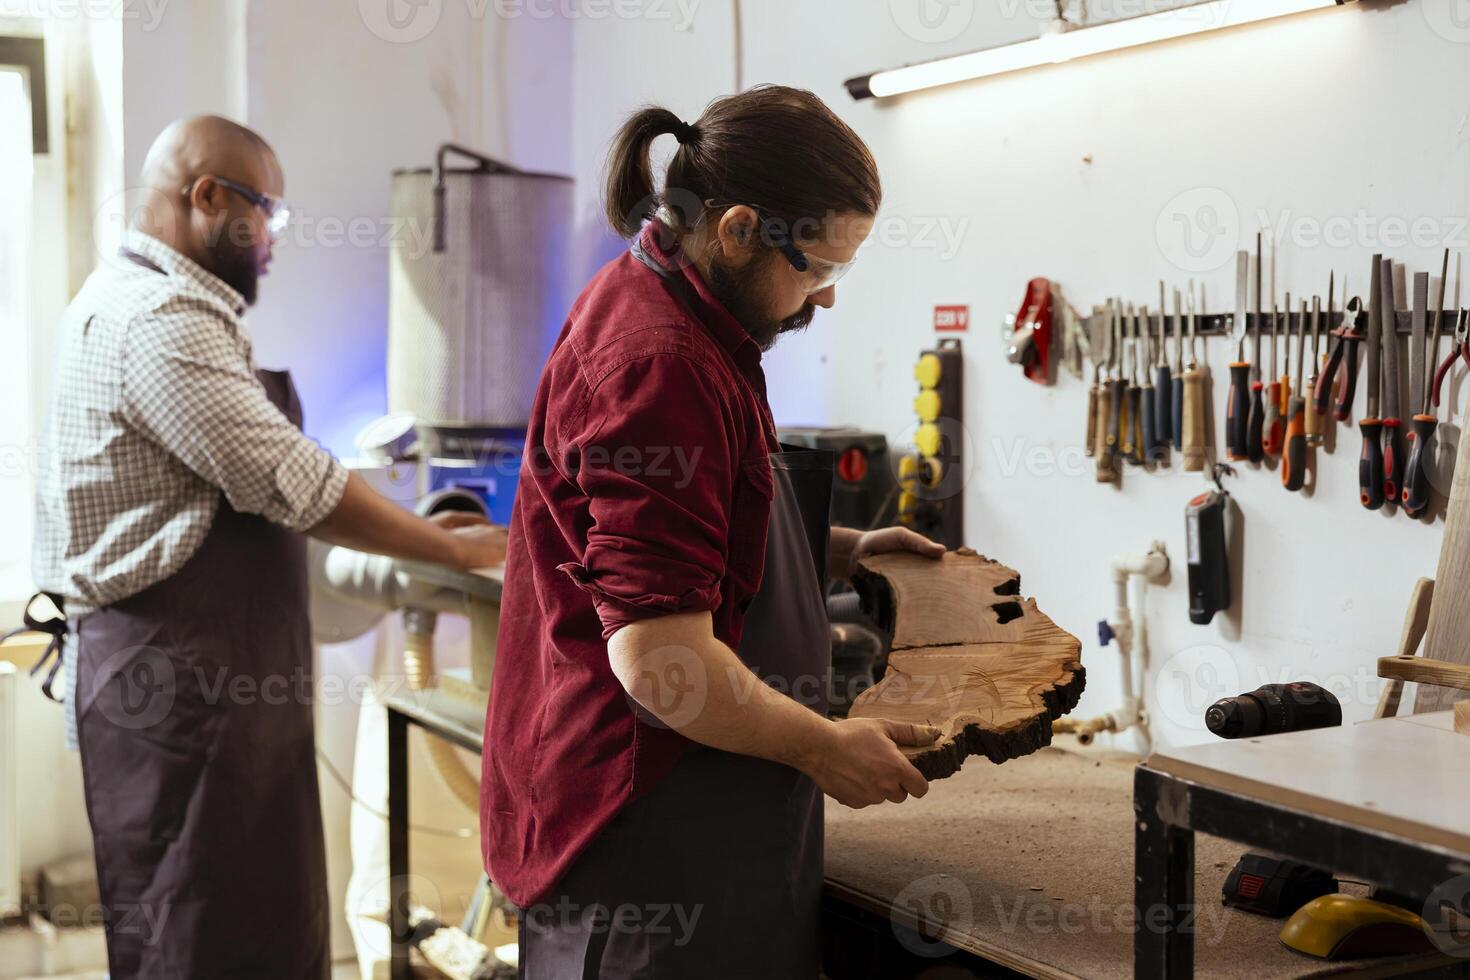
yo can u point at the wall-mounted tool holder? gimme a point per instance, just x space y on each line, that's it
931 480
1223 324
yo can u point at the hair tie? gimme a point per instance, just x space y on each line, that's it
683 132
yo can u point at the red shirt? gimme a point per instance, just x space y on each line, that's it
645 489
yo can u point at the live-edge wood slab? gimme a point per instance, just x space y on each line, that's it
969 656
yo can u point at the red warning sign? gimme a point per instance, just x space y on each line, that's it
951 319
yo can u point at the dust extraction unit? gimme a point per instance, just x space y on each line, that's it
472 317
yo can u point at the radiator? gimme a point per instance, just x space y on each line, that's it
9 793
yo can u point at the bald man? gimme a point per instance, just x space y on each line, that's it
175 489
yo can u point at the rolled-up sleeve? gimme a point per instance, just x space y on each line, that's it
187 387
653 454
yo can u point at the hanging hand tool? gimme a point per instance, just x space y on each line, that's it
1134 439
1349 334
1178 394
1370 462
1459 350
1117 388
1148 411
1393 433
1294 459
1163 383
1255 423
1274 429
1316 420
1107 420
1237 407
1284 392
1128 416
1194 398
1416 480
1093 394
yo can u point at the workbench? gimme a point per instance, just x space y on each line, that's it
1385 801
1030 865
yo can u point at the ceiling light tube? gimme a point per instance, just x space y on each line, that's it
1080 42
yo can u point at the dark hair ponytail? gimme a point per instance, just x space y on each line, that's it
629 178
771 147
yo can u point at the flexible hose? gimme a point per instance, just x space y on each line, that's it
418 667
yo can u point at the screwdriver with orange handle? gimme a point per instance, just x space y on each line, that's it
1294 459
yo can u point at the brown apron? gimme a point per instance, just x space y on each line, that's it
717 872
194 717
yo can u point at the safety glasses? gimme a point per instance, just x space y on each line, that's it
816 273
277 214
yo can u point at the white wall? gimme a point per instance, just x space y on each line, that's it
1322 116
346 98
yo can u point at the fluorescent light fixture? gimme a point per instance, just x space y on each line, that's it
1079 42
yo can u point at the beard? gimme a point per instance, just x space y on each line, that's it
740 292
237 268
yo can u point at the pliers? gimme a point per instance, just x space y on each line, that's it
1459 349
1349 334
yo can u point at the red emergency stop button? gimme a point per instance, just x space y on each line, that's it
852 465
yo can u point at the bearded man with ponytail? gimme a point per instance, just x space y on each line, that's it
657 746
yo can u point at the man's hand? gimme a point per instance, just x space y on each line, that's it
859 762
478 543
451 519
846 546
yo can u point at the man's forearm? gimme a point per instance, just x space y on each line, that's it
364 520
678 671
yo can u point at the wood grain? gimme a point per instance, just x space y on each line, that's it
1416 620
1462 717
1449 616
969 655
1423 670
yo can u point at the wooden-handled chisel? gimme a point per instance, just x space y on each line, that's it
1193 418
1106 422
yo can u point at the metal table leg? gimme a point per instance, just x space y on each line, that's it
398 884
1163 879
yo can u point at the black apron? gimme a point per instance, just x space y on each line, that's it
194 718
717 872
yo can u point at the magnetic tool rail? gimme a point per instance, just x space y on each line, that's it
1223 324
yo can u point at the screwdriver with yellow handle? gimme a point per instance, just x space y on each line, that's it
1294 459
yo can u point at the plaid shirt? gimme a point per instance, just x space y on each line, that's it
156 410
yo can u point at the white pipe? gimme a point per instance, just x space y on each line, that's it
1129 625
